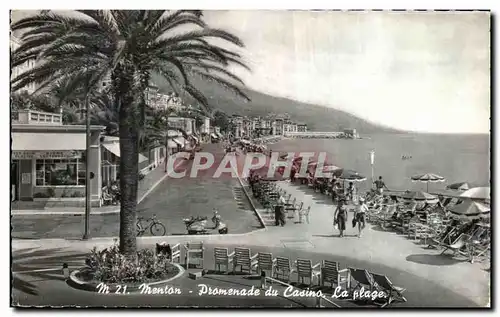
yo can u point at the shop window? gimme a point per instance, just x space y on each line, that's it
63 172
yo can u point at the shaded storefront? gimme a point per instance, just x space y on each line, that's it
48 160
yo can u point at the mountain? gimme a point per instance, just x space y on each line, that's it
317 118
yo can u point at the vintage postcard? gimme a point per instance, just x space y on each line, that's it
266 158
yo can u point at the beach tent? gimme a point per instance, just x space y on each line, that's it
459 186
427 178
477 193
470 209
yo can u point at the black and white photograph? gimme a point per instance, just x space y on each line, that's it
182 158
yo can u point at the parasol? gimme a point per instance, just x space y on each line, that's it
420 196
478 193
428 178
470 209
459 186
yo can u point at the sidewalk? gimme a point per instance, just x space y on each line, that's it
146 186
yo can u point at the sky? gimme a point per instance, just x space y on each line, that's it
426 72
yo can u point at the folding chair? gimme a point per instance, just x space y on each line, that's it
394 293
194 251
359 278
265 262
330 273
283 267
243 259
176 253
458 244
222 257
305 269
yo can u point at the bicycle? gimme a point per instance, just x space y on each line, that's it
153 224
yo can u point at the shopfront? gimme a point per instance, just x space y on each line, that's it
48 162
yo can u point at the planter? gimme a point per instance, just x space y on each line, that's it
77 281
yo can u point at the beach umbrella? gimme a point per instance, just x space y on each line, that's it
427 178
419 196
478 193
470 209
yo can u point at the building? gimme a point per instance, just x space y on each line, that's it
351 134
278 126
110 159
188 125
48 162
301 127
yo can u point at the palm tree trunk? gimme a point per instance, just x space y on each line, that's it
129 165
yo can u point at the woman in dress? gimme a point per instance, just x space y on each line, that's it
341 217
359 215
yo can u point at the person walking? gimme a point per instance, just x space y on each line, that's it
380 185
341 217
279 212
359 215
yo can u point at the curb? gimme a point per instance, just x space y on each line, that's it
81 213
75 282
261 220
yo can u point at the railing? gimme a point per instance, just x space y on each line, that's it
38 117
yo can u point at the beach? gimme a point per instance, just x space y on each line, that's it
455 157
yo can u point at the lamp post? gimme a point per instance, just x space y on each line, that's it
86 234
372 161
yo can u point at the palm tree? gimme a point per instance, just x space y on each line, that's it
85 48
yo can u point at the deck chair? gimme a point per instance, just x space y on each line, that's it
176 253
305 269
394 293
458 244
283 268
194 251
440 240
264 263
222 257
243 259
330 273
359 278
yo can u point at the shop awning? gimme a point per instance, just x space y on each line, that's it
214 136
142 158
115 149
48 141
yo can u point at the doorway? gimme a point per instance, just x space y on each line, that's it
14 180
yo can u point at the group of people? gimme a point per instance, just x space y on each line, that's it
341 213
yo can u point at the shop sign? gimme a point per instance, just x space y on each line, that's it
23 155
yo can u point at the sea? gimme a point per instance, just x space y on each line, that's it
457 157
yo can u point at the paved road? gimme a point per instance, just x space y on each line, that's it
42 288
171 201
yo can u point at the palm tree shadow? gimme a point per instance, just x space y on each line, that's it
23 286
24 261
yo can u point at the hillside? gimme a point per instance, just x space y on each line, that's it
318 118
